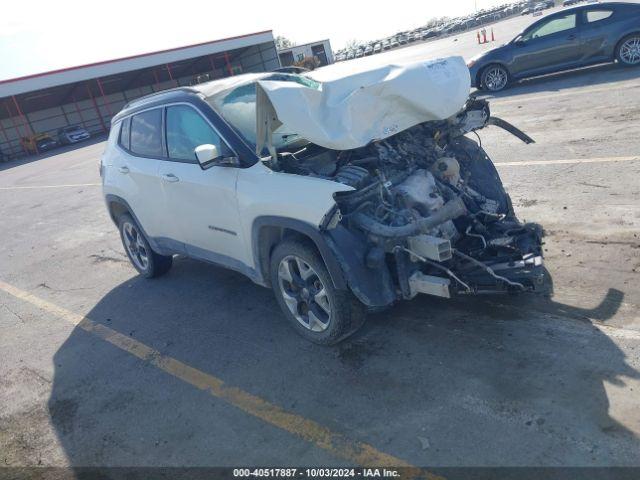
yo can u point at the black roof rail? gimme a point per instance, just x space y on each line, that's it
154 94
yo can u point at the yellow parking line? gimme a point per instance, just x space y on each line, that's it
25 187
566 161
335 443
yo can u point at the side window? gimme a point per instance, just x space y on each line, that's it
597 15
146 133
555 25
125 131
186 130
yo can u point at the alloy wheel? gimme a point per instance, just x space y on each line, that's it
304 293
630 51
495 78
135 246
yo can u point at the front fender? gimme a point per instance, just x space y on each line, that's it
372 286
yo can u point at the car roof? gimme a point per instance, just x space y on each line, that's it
176 94
599 5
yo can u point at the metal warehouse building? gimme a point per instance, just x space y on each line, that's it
320 50
90 95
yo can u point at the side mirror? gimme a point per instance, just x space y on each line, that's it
519 42
208 155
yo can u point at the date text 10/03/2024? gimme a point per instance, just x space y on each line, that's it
316 473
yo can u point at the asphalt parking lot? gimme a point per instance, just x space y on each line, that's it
198 368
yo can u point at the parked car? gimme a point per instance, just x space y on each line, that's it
305 220
526 11
571 38
72 134
377 48
368 50
544 4
538 11
429 34
38 142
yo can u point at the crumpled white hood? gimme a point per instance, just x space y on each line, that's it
351 110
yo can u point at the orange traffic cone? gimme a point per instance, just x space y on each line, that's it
493 38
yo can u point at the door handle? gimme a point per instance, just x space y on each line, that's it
571 37
124 169
170 177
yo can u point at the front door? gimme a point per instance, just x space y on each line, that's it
200 203
548 45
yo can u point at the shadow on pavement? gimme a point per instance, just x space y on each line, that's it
587 76
484 385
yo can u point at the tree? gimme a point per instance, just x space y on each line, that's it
352 44
310 63
283 42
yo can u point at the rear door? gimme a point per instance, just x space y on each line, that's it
200 203
137 168
551 44
596 30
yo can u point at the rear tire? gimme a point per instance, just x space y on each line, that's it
148 263
628 50
305 292
494 78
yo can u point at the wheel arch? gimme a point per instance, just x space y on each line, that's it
118 206
343 252
268 231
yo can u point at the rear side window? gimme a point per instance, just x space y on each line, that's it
146 133
125 131
597 15
186 130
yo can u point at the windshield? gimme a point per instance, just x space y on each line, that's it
238 108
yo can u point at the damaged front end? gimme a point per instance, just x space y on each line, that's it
426 211
427 214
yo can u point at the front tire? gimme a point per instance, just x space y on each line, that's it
628 50
305 292
494 78
148 263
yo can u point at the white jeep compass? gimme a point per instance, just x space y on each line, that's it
255 173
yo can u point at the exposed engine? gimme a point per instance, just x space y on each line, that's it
429 206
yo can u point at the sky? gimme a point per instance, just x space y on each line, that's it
39 36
